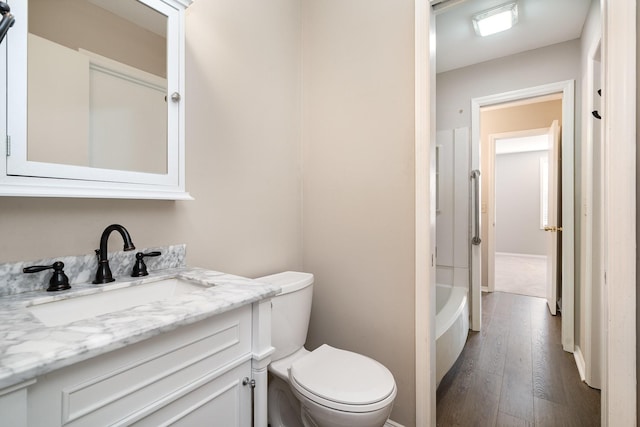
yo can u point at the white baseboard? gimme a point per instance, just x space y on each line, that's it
390 423
577 354
520 255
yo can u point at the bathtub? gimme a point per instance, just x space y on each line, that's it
452 326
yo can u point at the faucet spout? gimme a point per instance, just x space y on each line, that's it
103 275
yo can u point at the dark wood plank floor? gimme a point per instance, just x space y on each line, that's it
515 373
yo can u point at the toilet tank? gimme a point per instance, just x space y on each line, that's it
290 313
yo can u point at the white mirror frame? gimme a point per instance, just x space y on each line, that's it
35 179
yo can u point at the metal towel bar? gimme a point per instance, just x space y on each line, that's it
475 176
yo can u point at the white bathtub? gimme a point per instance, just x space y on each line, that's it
452 326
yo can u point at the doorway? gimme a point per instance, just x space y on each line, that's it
565 90
518 210
619 250
520 252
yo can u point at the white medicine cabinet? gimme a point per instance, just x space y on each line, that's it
94 100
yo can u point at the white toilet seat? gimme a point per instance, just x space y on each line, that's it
342 380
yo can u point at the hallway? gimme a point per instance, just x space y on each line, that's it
515 373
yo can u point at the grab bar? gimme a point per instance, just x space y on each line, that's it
475 175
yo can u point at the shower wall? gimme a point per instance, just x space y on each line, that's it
452 207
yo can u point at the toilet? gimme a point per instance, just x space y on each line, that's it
326 387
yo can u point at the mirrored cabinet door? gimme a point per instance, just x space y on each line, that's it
94 99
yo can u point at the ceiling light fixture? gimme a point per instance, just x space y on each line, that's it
496 19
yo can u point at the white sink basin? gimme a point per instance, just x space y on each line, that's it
61 312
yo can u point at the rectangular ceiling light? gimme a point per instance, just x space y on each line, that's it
495 20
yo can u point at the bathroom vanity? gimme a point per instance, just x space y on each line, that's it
194 357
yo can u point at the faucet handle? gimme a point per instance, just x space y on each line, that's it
140 268
58 282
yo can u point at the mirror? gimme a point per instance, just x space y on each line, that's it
97 75
96 98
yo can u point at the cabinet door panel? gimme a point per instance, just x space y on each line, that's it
223 402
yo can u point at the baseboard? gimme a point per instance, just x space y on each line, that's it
521 255
390 423
577 354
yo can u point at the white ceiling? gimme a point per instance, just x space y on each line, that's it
540 23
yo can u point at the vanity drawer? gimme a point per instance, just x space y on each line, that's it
142 377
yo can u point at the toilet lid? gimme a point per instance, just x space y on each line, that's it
342 377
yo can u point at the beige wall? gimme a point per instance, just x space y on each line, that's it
637 199
510 119
358 148
244 114
243 156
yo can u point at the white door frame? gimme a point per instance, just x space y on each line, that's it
568 101
425 214
589 354
619 100
619 124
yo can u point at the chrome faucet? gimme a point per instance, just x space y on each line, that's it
103 275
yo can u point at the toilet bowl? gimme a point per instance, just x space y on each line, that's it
326 387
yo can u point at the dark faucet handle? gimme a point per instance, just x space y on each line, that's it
58 282
140 268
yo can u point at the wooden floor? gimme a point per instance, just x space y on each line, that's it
515 373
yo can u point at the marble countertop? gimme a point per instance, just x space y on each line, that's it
28 348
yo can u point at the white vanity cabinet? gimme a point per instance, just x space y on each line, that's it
195 375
